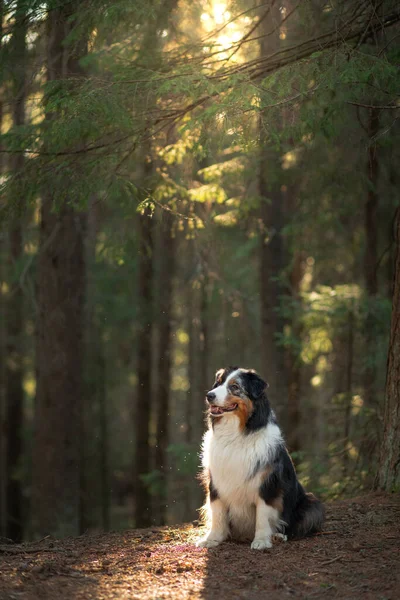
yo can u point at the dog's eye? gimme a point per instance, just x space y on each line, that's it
235 388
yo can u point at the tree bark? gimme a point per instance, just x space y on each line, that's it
392 223
3 430
371 256
95 501
167 264
14 362
143 516
204 330
14 394
371 206
388 476
196 402
61 283
293 359
271 243
191 404
103 439
349 386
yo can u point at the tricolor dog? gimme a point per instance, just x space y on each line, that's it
252 488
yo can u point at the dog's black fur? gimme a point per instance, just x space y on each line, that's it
301 513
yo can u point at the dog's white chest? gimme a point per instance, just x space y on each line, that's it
234 461
231 466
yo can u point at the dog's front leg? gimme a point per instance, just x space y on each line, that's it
267 518
219 526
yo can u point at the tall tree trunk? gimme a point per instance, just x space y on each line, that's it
3 430
392 223
349 386
204 330
271 246
167 268
371 255
95 501
103 439
14 394
191 363
61 283
14 362
191 403
196 401
293 359
388 476
143 516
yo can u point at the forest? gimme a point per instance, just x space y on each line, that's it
186 186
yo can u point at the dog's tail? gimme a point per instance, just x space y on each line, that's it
310 516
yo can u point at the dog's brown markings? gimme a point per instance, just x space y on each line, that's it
265 473
277 503
216 421
204 478
243 410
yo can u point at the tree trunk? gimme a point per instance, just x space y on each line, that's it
191 404
61 284
103 440
197 385
271 246
191 364
371 256
371 206
349 386
388 476
14 362
95 502
143 516
293 356
167 268
204 330
391 255
3 430
14 394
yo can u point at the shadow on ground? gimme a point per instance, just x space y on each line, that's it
356 556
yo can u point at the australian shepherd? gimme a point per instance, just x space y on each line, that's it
252 489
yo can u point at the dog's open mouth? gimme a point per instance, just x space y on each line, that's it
219 410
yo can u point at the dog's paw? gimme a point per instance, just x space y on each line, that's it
279 537
207 543
261 544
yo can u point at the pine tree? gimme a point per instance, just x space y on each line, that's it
61 283
165 317
388 476
143 516
15 324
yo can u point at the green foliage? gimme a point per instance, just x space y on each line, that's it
212 193
154 123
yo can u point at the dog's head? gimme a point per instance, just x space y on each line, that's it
239 393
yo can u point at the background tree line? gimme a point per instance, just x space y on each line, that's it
185 186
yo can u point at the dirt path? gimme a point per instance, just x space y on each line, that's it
357 556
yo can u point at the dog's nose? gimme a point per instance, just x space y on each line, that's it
210 396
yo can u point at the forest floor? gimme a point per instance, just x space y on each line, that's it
356 556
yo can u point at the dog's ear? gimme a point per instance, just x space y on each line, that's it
219 377
219 374
255 384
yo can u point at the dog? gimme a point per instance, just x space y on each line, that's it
252 489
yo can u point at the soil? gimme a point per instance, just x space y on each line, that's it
356 556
